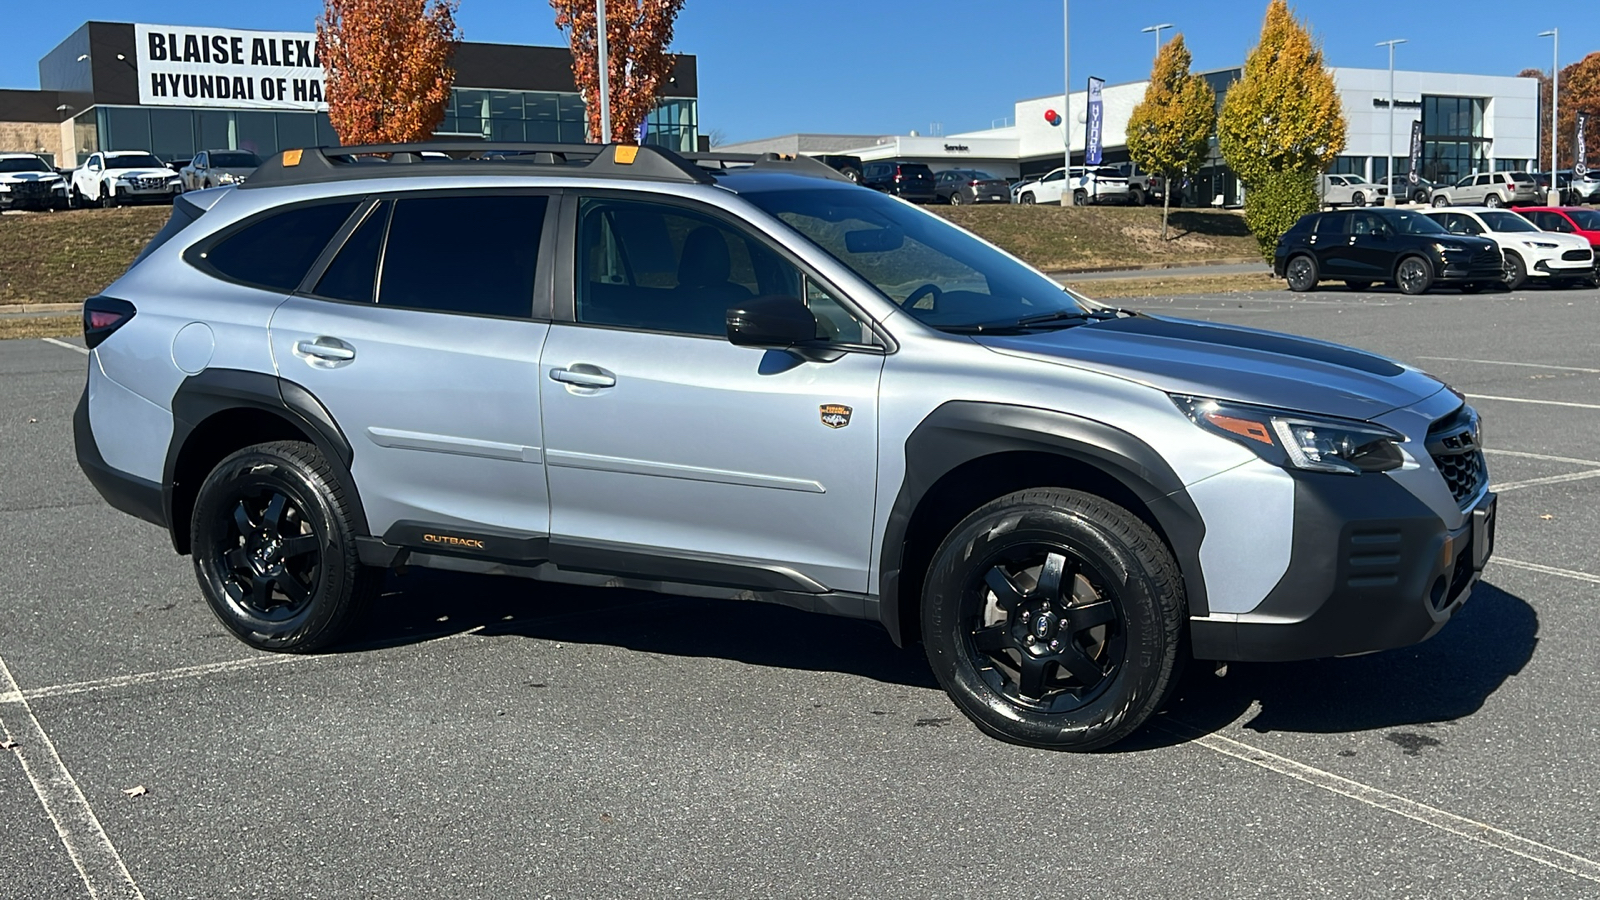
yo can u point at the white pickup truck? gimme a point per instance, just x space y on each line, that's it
123 176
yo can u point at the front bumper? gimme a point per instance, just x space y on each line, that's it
1460 274
1372 568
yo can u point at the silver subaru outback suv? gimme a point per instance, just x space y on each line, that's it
746 377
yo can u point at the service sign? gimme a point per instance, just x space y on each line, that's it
181 65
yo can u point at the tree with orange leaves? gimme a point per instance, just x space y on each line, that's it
1580 93
388 67
637 35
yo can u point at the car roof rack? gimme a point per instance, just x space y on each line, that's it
314 165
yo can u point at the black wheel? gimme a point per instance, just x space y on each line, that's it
955 199
852 174
1358 199
1419 197
1516 271
1414 275
1136 197
274 548
1471 287
1053 619
1492 201
1301 273
108 199
1440 200
1080 198
1027 198
74 199
1357 285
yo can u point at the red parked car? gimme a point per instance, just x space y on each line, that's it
1577 220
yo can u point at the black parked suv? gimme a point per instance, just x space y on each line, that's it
910 180
1365 246
848 166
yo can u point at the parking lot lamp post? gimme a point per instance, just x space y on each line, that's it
1066 97
1554 198
1388 176
1157 29
605 70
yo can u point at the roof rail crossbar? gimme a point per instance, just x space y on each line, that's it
767 162
321 164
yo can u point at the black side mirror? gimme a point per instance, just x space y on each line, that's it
772 322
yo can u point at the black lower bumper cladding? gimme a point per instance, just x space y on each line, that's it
1372 568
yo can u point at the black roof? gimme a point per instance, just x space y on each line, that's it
315 165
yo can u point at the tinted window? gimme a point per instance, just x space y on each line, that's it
1523 177
1334 223
235 160
275 252
1552 222
915 170
353 273
666 268
463 254
134 161
23 164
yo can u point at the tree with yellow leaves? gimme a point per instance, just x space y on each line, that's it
1169 130
1281 126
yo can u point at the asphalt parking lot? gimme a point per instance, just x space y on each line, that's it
491 737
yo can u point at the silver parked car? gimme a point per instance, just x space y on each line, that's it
1491 189
611 366
213 168
1349 190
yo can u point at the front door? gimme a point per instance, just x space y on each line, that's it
421 340
670 451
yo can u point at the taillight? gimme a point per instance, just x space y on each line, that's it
102 316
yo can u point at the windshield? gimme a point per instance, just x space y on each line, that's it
1413 223
235 160
951 278
1505 222
24 164
1525 178
134 161
1355 179
1587 219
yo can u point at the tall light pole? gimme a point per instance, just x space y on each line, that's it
1554 198
605 70
1388 199
1066 97
1157 29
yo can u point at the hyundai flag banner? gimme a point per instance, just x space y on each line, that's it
1579 166
1092 155
1415 173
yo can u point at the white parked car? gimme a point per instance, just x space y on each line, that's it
28 182
1349 190
123 176
1555 258
1079 187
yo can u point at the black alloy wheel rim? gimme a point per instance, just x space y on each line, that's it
1299 271
268 555
1412 275
1043 627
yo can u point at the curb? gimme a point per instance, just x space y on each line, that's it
29 310
1157 267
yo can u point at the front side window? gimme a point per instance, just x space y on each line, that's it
1587 219
1057 175
935 271
1553 222
463 254
658 267
275 252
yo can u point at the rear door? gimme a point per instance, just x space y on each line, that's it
421 336
1331 239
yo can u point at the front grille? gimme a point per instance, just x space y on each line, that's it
30 189
1488 257
1579 255
1453 444
149 184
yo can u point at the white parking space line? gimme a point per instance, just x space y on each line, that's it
1501 362
100 684
97 860
73 347
1461 826
1548 479
1547 570
1540 402
1543 456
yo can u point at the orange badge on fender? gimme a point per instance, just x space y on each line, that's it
835 416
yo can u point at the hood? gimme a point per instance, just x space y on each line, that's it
13 177
138 172
1227 362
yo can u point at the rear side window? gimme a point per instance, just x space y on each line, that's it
277 251
474 255
1334 223
353 274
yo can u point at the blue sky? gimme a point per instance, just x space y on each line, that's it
771 68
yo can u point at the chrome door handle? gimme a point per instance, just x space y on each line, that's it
326 349
581 378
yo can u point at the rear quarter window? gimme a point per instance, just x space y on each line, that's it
276 251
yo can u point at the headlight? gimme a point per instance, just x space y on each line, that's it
1449 248
225 178
1540 245
1299 441
5 188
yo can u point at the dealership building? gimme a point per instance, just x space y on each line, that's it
175 90
1470 123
